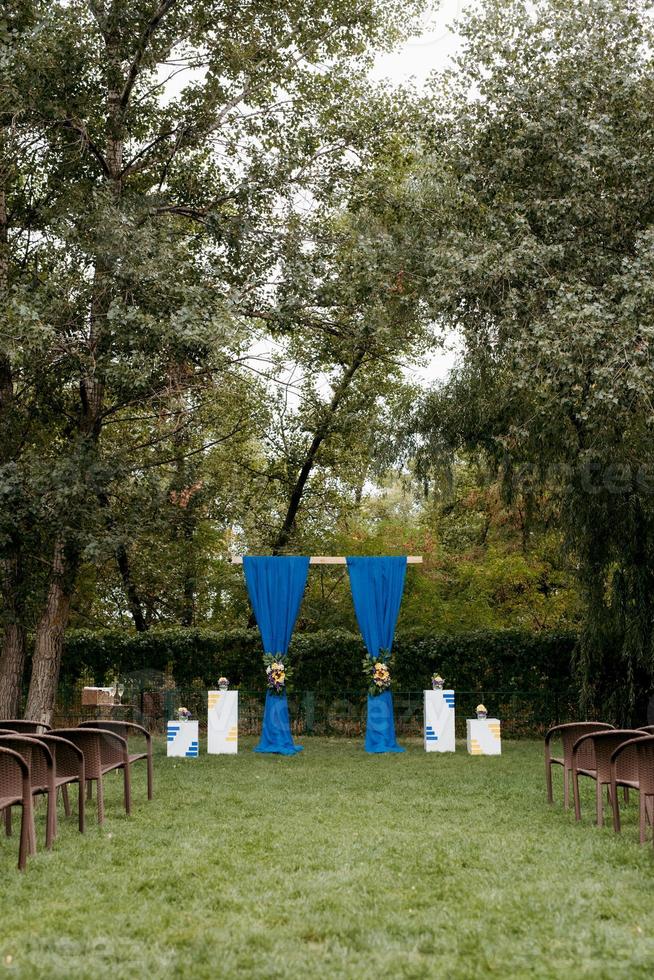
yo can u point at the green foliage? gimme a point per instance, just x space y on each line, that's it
536 189
328 661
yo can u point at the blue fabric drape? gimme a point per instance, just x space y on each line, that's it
377 585
275 586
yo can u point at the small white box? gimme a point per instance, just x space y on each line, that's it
222 723
484 736
183 739
439 721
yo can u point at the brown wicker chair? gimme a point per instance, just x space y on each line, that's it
591 756
16 790
23 726
645 749
103 751
39 759
127 730
69 768
624 772
568 734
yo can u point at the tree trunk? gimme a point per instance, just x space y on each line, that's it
321 433
48 644
12 666
131 592
12 657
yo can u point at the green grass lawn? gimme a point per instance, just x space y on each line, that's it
334 864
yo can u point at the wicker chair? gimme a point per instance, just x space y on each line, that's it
103 751
39 759
23 726
69 768
16 790
597 748
568 734
624 772
127 730
645 749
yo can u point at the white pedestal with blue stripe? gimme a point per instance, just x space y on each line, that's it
183 739
439 721
222 723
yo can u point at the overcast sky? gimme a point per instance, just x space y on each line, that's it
415 61
430 51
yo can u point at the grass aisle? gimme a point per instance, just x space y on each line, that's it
334 864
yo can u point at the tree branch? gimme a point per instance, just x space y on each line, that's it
145 39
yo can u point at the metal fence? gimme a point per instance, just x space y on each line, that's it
523 713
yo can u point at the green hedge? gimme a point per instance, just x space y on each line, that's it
329 661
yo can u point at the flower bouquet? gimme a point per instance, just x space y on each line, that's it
378 673
183 714
437 682
223 684
277 673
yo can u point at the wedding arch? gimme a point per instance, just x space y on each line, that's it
276 586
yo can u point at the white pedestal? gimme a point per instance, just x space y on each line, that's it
439 721
484 736
222 723
183 739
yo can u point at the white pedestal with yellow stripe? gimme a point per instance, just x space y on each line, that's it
439 721
222 723
484 736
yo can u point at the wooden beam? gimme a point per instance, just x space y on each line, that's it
334 560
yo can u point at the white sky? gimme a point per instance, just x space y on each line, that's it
414 62
428 52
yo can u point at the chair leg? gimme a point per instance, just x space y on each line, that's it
616 809
642 817
51 819
80 806
567 775
24 846
128 789
8 821
31 830
100 796
89 790
626 794
64 796
151 779
575 789
600 803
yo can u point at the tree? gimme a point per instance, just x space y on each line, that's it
158 215
542 198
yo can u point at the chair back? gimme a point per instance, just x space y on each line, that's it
604 745
645 748
24 726
125 729
68 758
36 754
14 774
100 748
570 733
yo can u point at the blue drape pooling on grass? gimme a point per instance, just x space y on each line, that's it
377 585
276 586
